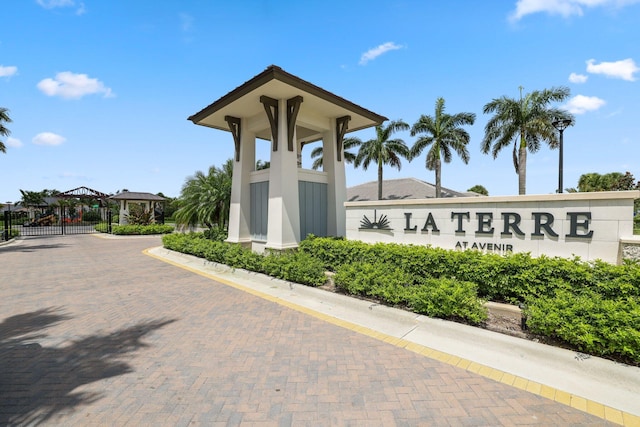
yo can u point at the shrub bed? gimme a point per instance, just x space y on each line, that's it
591 306
590 322
293 266
510 278
443 298
135 229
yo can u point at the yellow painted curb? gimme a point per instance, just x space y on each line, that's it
594 408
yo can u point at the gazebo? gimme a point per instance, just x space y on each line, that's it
277 207
147 201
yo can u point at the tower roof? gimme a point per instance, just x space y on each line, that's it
318 104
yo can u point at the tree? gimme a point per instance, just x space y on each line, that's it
32 198
205 198
480 189
526 122
261 165
443 133
4 117
613 181
383 151
348 156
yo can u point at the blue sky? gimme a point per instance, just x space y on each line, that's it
99 91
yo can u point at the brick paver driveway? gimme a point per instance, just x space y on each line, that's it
94 332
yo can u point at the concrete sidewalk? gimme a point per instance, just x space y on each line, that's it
592 384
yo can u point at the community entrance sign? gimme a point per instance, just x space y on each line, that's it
588 225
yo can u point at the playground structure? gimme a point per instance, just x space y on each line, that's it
43 220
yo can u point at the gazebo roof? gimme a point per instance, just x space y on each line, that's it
274 82
132 195
83 192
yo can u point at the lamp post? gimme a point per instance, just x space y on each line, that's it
560 125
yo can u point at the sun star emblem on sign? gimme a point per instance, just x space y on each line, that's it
376 224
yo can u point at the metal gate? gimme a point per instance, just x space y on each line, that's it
59 221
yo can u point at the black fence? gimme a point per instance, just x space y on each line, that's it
62 220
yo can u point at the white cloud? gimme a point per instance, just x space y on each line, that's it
13 142
372 54
8 71
53 4
581 104
577 78
623 69
73 86
564 8
48 138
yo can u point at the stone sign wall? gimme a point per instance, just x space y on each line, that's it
589 225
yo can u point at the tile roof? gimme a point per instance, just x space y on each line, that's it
132 195
399 189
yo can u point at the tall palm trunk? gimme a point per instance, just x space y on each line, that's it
380 179
438 178
522 167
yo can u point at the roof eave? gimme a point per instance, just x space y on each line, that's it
274 72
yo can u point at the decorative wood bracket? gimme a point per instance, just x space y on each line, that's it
293 107
271 108
342 123
234 127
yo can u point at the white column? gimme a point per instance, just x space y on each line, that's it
337 183
283 227
122 217
240 209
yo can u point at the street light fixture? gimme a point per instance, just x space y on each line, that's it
560 125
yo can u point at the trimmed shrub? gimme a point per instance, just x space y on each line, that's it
376 280
509 278
448 299
589 322
293 266
444 298
139 229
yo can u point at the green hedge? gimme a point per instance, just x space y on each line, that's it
510 278
589 322
444 298
293 266
135 229
591 306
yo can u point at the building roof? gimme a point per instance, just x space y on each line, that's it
132 195
274 82
399 189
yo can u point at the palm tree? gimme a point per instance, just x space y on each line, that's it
443 132
526 122
347 144
32 198
383 151
4 117
205 199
